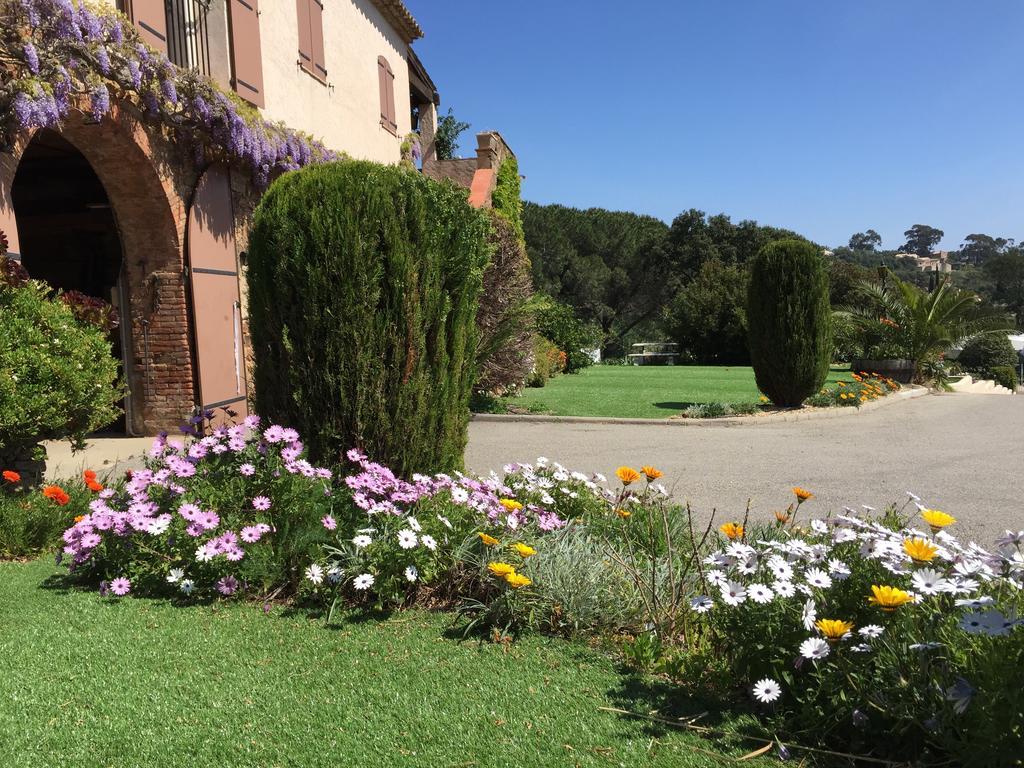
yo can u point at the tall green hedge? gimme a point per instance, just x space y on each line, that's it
363 289
789 321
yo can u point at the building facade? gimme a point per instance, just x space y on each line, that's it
115 209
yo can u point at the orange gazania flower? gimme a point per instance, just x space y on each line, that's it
627 475
89 476
920 550
888 598
732 530
56 494
623 513
802 495
489 541
11 476
93 486
782 516
79 518
517 580
651 472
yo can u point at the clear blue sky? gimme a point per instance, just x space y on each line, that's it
825 116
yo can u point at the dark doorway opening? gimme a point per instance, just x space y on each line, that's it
66 228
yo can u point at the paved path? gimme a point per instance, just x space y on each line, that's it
961 453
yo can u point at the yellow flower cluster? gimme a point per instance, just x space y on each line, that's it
508 571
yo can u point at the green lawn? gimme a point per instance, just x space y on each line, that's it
642 391
92 682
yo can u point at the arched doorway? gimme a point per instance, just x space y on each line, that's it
67 231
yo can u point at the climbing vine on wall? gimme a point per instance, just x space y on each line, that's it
61 55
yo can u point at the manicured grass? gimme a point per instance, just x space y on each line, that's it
133 682
642 391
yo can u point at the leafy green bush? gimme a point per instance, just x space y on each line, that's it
58 379
548 362
31 522
986 353
506 200
559 324
789 321
708 316
1005 375
363 288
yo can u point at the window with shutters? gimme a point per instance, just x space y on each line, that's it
246 55
386 81
311 38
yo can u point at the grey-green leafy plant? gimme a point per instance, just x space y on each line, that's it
446 138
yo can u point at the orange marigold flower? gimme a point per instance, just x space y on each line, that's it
732 530
627 475
801 494
56 494
651 472
11 476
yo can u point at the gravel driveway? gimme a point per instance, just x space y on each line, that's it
963 454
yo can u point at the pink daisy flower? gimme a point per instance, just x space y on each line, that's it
120 586
251 534
261 503
329 522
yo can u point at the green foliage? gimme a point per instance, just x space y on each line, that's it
446 138
363 289
716 410
559 324
30 523
506 200
904 321
921 239
707 317
789 320
505 317
1006 271
987 352
58 379
865 241
1005 375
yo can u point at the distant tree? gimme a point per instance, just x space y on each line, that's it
865 241
708 317
844 280
446 138
922 239
1006 271
977 248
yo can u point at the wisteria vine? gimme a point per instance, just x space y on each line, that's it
58 55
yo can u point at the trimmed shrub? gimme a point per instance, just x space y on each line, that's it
558 324
58 379
363 288
788 317
1005 375
504 320
988 352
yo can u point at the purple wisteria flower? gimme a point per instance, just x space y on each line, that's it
31 58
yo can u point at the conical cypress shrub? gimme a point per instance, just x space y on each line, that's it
789 321
363 289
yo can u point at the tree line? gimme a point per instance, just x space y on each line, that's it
634 278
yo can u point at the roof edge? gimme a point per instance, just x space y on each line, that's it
400 17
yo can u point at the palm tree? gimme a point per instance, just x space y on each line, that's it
922 325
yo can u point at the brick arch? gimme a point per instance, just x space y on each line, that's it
146 182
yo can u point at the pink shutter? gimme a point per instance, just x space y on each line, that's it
150 18
305 37
245 50
316 33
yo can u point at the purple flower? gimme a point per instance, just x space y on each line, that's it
329 522
247 469
135 73
251 534
261 503
103 60
24 110
208 520
228 585
32 58
90 540
120 586
234 554
100 102
104 588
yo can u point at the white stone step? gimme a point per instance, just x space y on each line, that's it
967 385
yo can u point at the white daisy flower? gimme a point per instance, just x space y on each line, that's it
838 569
411 574
871 631
861 648
334 574
414 523
975 602
782 570
960 693
767 690
924 646
718 559
186 586
818 578
739 551
445 521
176 575
747 567
362 540
315 574
843 535
429 542
990 622
406 539
716 577
701 604
733 593
928 581
205 554
810 615
460 495
814 648
819 526
158 525
759 593
784 588
363 582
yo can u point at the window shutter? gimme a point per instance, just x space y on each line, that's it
150 19
386 82
305 41
245 50
316 32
